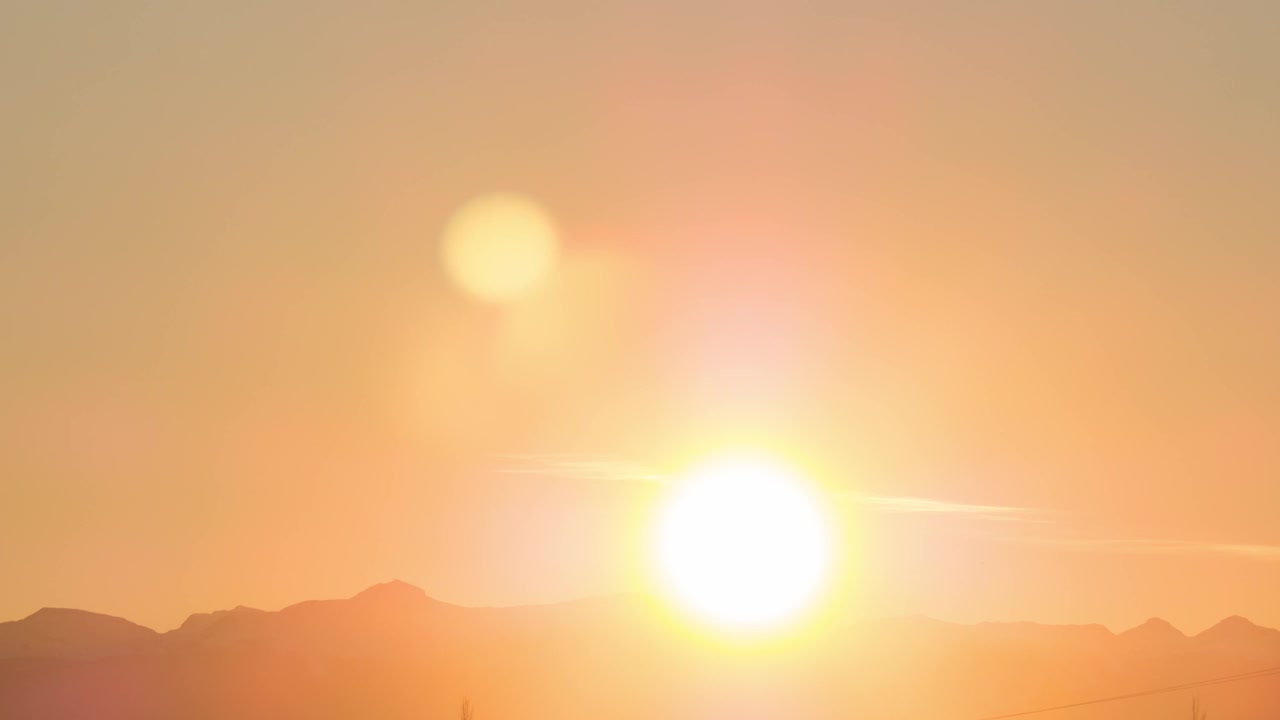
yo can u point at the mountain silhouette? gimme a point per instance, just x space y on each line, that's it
199 624
394 652
1236 628
1154 629
1153 637
65 633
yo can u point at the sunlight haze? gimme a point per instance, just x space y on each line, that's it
300 297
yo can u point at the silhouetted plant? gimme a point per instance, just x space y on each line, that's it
466 710
1197 712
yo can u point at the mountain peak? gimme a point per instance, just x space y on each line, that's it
1237 632
1154 627
63 632
46 614
1236 621
393 591
1231 626
71 618
200 621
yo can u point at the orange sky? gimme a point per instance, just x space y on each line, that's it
1012 260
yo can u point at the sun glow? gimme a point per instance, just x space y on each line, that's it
742 543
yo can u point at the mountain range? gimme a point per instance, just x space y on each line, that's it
393 652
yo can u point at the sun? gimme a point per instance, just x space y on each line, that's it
742 543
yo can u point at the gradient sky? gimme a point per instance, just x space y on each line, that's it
1004 274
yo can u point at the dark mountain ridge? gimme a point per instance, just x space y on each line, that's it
392 651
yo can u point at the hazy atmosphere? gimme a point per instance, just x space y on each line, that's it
1001 277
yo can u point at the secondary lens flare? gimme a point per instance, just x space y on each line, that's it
497 247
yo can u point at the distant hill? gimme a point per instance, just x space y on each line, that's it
70 634
392 652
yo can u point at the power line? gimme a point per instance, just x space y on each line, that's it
1264 672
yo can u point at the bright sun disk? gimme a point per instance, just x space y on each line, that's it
742 543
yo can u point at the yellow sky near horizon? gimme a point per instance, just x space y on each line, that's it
1016 260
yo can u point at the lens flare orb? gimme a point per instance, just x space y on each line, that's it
498 247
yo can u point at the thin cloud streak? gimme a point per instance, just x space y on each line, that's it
596 468
1149 546
605 469
902 504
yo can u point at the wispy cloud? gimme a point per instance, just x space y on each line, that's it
610 469
923 506
578 467
1150 546
900 504
591 467
607 469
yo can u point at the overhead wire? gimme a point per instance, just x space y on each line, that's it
1237 677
